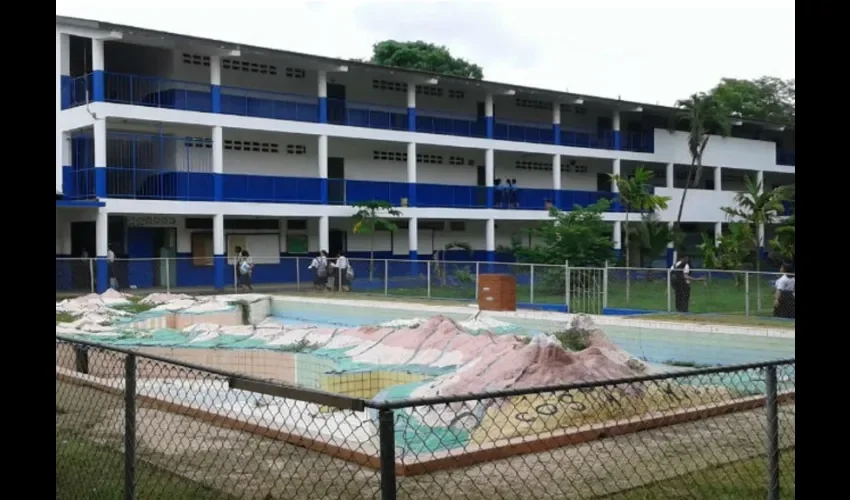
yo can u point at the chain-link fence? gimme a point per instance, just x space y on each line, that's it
134 425
589 290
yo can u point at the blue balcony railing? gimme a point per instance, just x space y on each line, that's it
350 192
271 189
449 196
538 133
276 106
157 92
445 125
638 142
785 157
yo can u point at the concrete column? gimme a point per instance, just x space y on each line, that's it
556 123
489 122
489 174
98 66
718 233
411 107
718 179
556 180
671 180
615 126
63 71
671 251
490 244
324 233
215 83
615 188
322 92
218 163
101 243
413 245
411 174
219 253
100 160
323 167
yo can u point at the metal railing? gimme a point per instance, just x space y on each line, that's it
591 290
137 425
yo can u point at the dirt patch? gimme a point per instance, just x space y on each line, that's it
248 466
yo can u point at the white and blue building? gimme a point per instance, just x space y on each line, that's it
175 146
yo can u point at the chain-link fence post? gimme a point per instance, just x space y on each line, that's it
605 286
167 275
235 275
91 275
386 277
746 293
386 435
428 279
772 410
298 274
130 427
567 284
530 285
669 290
477 275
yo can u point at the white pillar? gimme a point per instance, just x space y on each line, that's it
670 227
411 95
323 157
218 235
413 234
411 162
101 234
217 150
718 233
618 235
718 179
323 84
97 60
556 113
671 180
614 186
615 121
63 65
324 233
99 134
488 105
556 172
490 244
489 167
215 70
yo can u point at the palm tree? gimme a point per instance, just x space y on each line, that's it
373 216
756 207
705 116
652 237
636 193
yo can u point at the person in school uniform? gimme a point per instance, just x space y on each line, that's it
680 281
319 265
342 271
784 300
246 271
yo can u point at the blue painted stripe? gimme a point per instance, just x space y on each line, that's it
323 187
411 194
411 119
669 258
617 140
66 83
98 86
556 133
557 200
490 196
102 272
323 110
215 96
413 255
489 126
100 182
79 204
491 261
219 271
218 187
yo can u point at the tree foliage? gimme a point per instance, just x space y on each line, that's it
651 237
731 250
767 98
423 56
783 245
373 216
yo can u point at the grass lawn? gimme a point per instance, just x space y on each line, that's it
719 295
736 481
85 469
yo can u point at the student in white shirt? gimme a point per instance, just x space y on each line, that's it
342 271
680 281
110 266
319 265
784 300
246 270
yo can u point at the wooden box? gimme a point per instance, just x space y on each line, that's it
497 292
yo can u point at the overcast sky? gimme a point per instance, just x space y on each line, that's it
653 51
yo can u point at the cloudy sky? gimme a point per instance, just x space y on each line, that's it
652 51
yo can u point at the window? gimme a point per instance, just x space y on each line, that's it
296 224
532 165
295 73
296 243
202 249
457 160
198 142
389 156
433 225
532 103
254 146
388 85
248 67
196 59
581 169
455 94
435 159
296 149
457 225
429 90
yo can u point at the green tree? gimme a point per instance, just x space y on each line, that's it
580 237
636 193
651 236
730 251
783 245
767 98
423 56
371 217
705 117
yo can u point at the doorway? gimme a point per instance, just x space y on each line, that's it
603 183
337 242
336 104
481 182
336 181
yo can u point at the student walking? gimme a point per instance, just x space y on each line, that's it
319 266
246 271
784 300
342 273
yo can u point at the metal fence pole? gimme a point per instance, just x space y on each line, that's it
167 275
669 290
772 410
477 274
91 275
386 435
567 284
298 274
130 427
530 285
386 276
746 293
235 278
605 286
428 279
